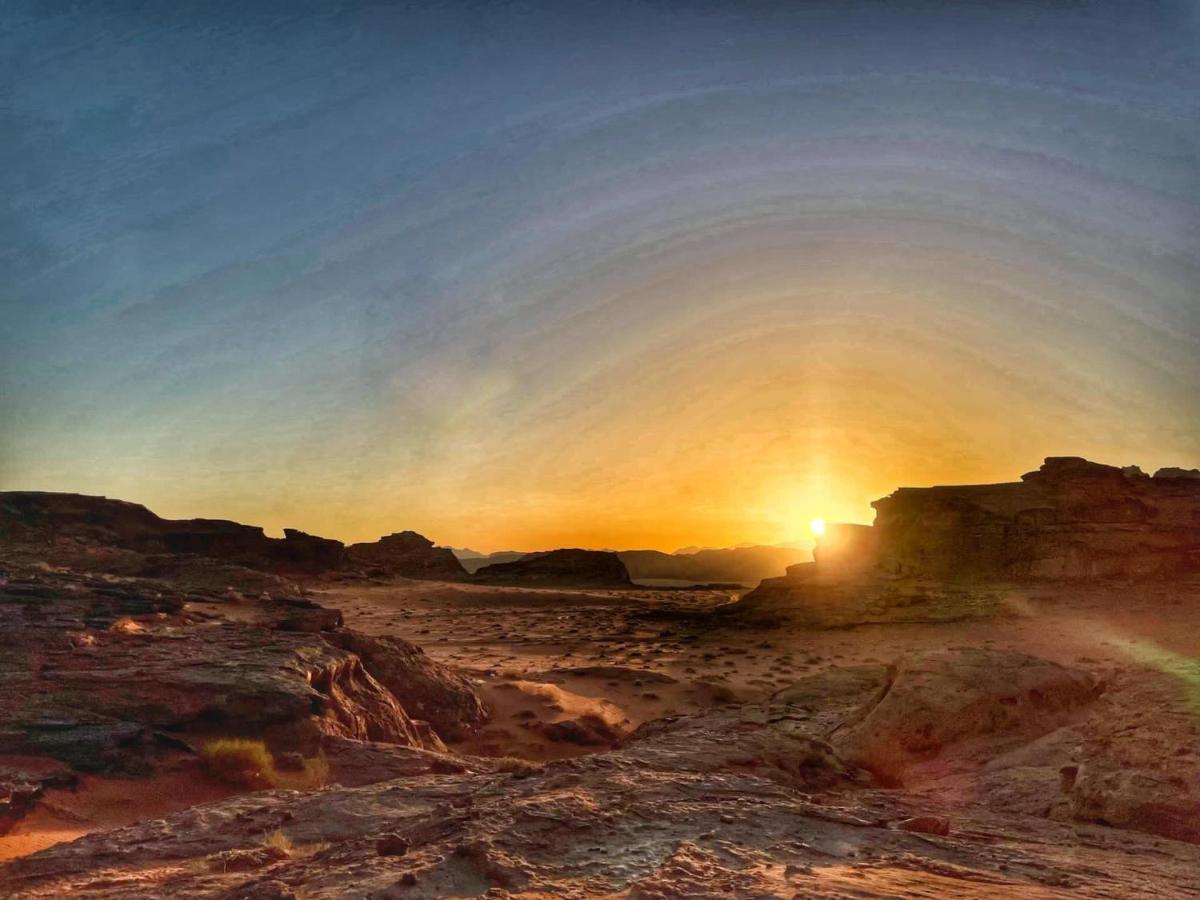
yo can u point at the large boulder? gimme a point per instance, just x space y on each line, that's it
560 568
1139 799
99 671
409 555
427 690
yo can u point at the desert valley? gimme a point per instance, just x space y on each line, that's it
635 449
994 690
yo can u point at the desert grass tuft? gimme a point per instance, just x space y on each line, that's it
240 762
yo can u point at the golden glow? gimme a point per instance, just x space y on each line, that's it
817 527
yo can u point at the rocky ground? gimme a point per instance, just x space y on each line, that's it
553 742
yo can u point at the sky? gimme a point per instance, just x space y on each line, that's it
610 274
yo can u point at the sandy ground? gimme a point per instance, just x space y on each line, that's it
100 803
631 656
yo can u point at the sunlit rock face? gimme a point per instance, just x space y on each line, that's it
1069 519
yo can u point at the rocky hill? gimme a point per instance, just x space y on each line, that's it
559 568
409 555
1069 519
81 521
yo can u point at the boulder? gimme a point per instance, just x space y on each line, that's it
427 690
559 568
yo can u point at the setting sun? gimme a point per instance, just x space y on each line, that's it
817 527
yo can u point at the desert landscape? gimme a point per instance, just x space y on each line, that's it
636 449
993 690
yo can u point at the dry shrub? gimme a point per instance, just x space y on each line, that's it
248 763
240 762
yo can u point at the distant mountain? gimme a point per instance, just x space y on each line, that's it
746 564
473 560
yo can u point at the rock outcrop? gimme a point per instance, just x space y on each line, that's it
408 555
34 516
947 553
930 701
75 523
434 693
559 568
1069 519
100 672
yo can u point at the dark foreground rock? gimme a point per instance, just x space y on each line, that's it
103 672
735 803
559 568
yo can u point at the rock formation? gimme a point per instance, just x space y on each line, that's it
945 553
1069 519
559 568
408 555
100 672
76 520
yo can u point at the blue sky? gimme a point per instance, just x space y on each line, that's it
612 274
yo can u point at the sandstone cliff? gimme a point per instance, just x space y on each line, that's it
946 553
1069 519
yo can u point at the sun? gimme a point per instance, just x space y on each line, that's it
817 527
